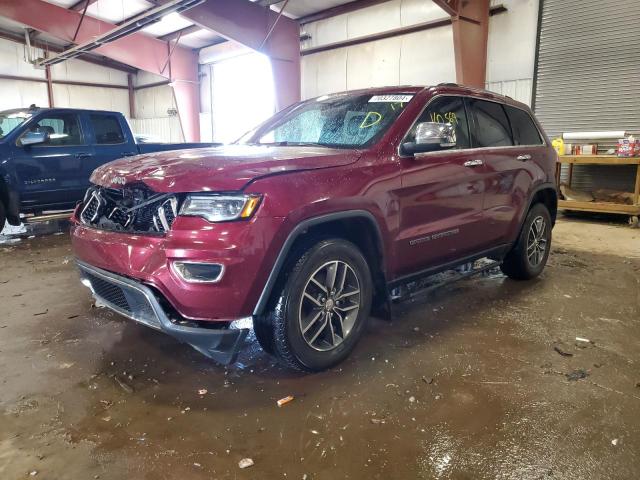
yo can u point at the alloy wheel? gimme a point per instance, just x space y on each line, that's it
537 241
329 305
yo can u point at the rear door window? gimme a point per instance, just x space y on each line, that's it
446 110
107 129
63 130
491 127
524 129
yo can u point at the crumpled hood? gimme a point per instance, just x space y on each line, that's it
223 168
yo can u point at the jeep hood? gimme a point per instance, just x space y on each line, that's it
223 168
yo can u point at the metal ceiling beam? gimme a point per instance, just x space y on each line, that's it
339 10
81 5
61 23
470 23
94 59
169 37
249 24
118 32
268 3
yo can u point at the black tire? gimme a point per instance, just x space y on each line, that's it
522 263
281 332
3 217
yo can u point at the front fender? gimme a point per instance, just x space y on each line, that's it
300 228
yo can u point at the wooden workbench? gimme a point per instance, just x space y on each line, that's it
603 207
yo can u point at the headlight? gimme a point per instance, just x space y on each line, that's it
220 208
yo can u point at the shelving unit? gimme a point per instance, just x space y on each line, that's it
602 207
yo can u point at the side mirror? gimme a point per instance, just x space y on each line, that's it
34 138
431 136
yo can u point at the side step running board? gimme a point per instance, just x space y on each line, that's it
430 283
48 217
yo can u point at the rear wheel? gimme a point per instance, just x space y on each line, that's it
529 256
322 310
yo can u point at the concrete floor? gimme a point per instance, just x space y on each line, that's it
467 384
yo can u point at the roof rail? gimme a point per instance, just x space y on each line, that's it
449 84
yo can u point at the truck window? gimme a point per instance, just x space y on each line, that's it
524 130
446 110
63 129
107 129
491 124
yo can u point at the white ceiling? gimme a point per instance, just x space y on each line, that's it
116 11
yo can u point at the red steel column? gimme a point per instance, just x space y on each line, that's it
470 23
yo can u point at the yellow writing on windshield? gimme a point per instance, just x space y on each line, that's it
371 119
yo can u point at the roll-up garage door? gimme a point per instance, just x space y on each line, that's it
588 77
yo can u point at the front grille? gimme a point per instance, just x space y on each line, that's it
126 300
134 209
109 292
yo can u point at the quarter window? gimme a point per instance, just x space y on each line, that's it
491 124
446 110
107 129
524 130
63 130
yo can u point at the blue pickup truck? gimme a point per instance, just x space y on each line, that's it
48 154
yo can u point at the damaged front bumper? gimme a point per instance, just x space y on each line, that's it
139 303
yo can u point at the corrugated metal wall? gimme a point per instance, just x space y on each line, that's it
588 77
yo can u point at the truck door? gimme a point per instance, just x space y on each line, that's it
110 139
441 195
51 174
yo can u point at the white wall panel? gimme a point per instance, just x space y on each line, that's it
420 58
519 90
91 97
154 102
20 94
419 11
374 64
331 30
376 19
12 60
79 71
324 72
167 129
371 20
512 42
427 58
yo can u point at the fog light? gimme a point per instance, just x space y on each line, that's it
196 272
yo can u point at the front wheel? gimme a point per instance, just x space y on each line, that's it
529 256
322 310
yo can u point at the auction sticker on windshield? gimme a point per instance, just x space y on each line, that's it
390 98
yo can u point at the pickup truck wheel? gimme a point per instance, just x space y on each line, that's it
3 217
529 256
322 311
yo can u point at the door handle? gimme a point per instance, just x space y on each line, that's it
82 155
128 154
473 163
524 157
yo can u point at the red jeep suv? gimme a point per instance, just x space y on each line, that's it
312 218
